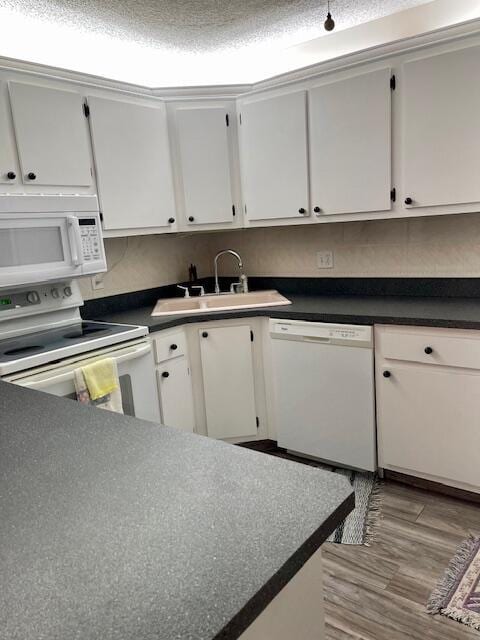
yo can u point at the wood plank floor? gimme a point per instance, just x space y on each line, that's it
379 592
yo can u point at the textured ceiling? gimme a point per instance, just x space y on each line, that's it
204 26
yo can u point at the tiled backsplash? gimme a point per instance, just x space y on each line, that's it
443 246
144 262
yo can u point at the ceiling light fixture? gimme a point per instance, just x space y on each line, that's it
329 23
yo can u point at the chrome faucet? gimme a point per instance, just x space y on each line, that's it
243 282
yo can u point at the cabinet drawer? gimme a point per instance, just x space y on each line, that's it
169 346
431 346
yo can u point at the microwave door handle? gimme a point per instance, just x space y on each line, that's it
46 381
75 239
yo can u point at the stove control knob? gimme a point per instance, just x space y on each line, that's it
55 293
67 292
33 297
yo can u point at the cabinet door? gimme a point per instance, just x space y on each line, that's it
429 421
205 164
350 154
228 381
8 156
132 159
52 136
175 392
441 143
274 157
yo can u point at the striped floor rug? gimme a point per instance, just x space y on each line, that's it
359 526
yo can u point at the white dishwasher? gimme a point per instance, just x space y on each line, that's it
324 391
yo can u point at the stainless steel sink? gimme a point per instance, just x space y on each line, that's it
219 302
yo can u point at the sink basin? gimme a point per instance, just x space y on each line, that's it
221 302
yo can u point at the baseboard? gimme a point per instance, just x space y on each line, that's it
430 485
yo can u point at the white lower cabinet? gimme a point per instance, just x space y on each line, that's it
228 381
210 378
174 380
175 392
428 403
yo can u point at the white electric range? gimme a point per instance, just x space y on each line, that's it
43 339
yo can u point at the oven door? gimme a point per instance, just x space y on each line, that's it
136 372
39 248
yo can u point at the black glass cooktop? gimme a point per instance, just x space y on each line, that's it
51 339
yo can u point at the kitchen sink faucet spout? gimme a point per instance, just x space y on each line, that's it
243 277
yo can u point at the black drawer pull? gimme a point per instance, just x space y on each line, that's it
428 350
165 374
173 347
387 374
205 334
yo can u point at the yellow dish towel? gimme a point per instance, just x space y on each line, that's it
101 377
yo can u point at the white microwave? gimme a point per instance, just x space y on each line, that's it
37 245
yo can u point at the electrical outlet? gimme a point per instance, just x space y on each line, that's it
97 281
325 259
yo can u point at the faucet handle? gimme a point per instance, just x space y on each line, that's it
185 289
244 283
199 286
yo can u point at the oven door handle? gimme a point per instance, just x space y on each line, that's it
68 375
75 239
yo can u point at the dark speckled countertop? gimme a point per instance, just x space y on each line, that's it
461 313
114 528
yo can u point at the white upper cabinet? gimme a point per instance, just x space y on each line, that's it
273 144
9 173
132 159
441 129
204 164
350 144
52 136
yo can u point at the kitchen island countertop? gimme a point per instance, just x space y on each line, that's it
115 528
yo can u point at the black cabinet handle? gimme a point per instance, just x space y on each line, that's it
386 374
301 210
191 218
408 200
317 209
171 220
428 350
205 334
11 175
173 347
31 176
165 374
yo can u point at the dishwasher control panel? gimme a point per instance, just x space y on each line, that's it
352 334
328 333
